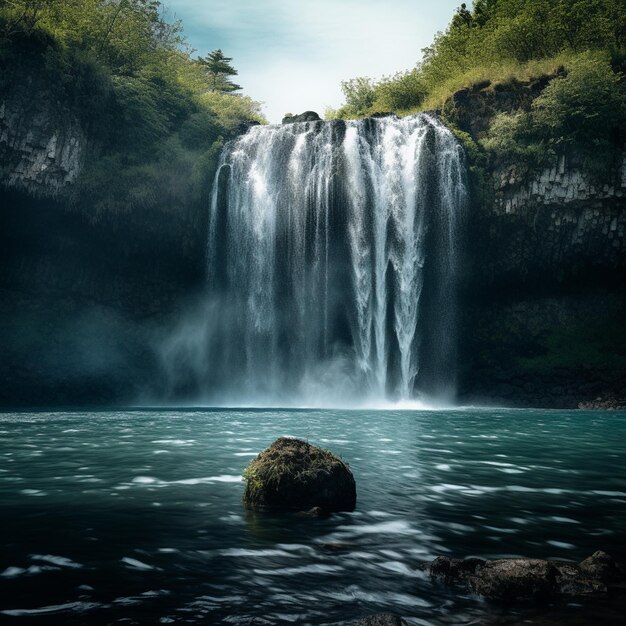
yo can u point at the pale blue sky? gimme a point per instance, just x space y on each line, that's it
293 54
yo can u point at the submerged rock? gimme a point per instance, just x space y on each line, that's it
530 579
316 511
380 619
454 570
294 475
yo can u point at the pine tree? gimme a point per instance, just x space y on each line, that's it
219 69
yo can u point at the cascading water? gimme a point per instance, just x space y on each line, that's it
333 251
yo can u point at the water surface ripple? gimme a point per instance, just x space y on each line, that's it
135 516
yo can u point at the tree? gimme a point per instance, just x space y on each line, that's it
462 17
219 70
359 94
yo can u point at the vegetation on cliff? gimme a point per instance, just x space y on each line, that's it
584 108
576 48
90 273
156 116
521 83
499 40
530 87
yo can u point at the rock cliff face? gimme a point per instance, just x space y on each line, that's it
544 286
565 184
543 291
42 143
82 294
561 220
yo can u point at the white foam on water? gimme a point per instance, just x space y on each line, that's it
314 568
561 544
61 561
242 552
52 609
395 527
135 564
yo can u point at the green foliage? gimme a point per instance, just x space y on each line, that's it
598 343
587 106
396 93
359 95
510 135
585 109
231 110
199 127
218 69
402 92
156 113
496 40
476 166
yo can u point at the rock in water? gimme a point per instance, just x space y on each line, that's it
531 579
454 570
514 579
294 475
600 566
380 619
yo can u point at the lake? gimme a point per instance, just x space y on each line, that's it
135 516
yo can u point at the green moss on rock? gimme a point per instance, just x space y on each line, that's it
294 475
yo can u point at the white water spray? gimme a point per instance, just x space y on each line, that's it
333 252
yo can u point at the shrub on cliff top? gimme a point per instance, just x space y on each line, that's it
497 40
588 105
585 108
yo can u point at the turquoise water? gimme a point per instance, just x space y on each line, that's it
135 516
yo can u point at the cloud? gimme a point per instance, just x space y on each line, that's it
292 55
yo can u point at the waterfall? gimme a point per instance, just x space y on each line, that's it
333 252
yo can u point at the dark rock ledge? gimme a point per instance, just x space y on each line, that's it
307 116
531 579
610 403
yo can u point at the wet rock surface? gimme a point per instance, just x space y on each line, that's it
307 116
294 475
515 579
453 570
531 579
604 404
601 566
380 619
42 143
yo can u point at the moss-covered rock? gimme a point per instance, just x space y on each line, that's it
294 475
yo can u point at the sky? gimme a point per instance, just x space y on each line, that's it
293 54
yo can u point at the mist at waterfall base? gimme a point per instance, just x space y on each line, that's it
333 255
